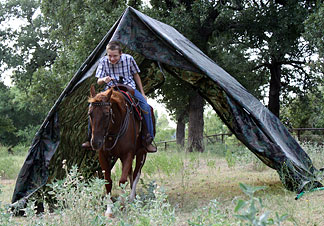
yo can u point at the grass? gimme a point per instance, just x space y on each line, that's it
10 164
193 189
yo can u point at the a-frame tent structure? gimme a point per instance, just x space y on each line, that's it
156 43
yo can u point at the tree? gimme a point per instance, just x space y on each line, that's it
7 127
306 110
26 48
270 33
163 131
213 124
196 20
314 35
30 45
176 102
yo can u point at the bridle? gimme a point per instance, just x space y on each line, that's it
122 128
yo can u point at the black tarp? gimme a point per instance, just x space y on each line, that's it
252 123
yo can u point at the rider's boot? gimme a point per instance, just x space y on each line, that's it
148 144
86 145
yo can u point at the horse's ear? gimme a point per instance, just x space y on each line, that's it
92 91
109 94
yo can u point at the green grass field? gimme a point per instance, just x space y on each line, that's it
179 188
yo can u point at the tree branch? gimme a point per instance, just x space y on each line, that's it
267 65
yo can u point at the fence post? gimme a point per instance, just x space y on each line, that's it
298 134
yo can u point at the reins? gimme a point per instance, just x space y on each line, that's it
122 128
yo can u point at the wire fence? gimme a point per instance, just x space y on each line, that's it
311 135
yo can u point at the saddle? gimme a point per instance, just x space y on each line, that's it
129 93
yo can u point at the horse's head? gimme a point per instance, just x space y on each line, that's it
100 113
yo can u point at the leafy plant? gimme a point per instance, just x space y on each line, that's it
251 210
230 158
5 215
148 208
209 215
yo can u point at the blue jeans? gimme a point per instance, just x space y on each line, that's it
146 107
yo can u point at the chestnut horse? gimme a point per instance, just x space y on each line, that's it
116 134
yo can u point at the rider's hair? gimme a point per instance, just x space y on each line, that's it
113 45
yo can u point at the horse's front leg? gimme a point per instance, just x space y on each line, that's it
105 164
126 168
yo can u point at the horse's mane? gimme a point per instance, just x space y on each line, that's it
116 97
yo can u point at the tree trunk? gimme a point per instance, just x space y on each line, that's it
180 134
196 124
275 86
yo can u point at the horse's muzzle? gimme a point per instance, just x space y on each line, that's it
96 144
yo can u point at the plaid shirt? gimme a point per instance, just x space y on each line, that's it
122 71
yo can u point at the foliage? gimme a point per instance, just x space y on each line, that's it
30 44
164 163
314 34
7 127
53 38
250 210
154 209
195 20
80 203
213 124
5 216
306 110
10 163
172 96
209 215
152 204
30 49
267 35
163 130
17 115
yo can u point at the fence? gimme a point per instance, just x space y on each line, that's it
220 138
315 135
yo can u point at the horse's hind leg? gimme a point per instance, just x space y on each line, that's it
140 160
130 176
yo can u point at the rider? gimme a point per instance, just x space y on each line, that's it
122 67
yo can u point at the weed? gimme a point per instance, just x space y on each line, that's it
230 158
209 215
10 166
5 215
152 208
251 209
258 165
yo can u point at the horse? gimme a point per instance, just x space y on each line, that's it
116 134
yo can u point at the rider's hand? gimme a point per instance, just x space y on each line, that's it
106 79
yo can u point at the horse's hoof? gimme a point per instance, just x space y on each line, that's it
109 211
109 215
